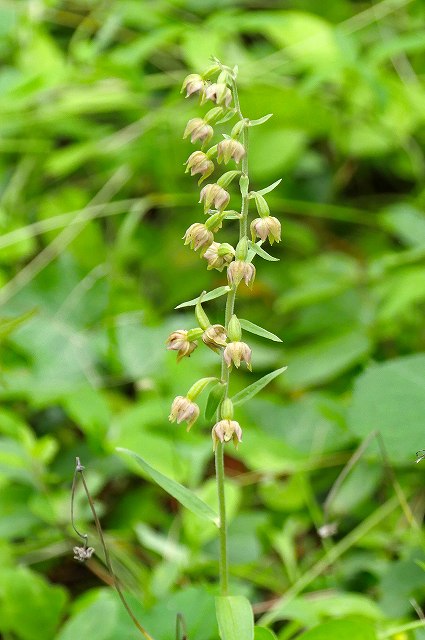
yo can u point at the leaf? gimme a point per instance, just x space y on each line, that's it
255 123
337 629
263 192
255 387
211 295
390 397
261 633
186 497
235 618
259 331
229 115
215 396
263 254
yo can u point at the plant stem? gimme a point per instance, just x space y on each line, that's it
225 374
79 469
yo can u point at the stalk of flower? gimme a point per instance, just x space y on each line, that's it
224 338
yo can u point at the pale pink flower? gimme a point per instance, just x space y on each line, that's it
184 409
226 430
267 227
237 352
178 341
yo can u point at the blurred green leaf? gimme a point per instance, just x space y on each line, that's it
235 618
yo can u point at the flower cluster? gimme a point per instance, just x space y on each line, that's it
218 85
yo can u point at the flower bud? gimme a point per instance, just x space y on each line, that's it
226 430
179 341
184 409
268 227
239 270
234 330
229 148
237 352
226 409
193 83
242 249
198 162
214 222
218 92
219 255
216 195
198 129
215 337
198 237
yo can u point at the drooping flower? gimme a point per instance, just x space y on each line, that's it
267 227
219 255
218 92
215 336
230 148
237 352
198 236
198 129
198 162
213 194
239 270
184 409
179 341
193 83
226 430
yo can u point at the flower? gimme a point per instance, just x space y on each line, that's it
226 430
237 352
198 236
216 195
193 83
219 255
219 93
215 336
184 409
239 270
198 129
179 341
230 148
267 227
198 162
83 553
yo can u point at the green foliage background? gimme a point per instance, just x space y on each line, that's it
93 205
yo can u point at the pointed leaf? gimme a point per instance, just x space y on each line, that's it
263 192
215 293
186 497
227 178
215 396
235 618
255 123
229 115
259 331
260 251
255 387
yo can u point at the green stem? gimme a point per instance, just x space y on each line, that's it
225 375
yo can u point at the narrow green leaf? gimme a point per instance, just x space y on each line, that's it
255 387
186 497
9 325
255 123
215 293
261 633
259 331
255 246
229 115
235 618
263 192
215 396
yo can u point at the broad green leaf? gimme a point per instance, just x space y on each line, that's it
259 331
186 497
390 397
262 192
254 246
261 633
215 396
30 607
235 618
211 295
337 629
255 387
